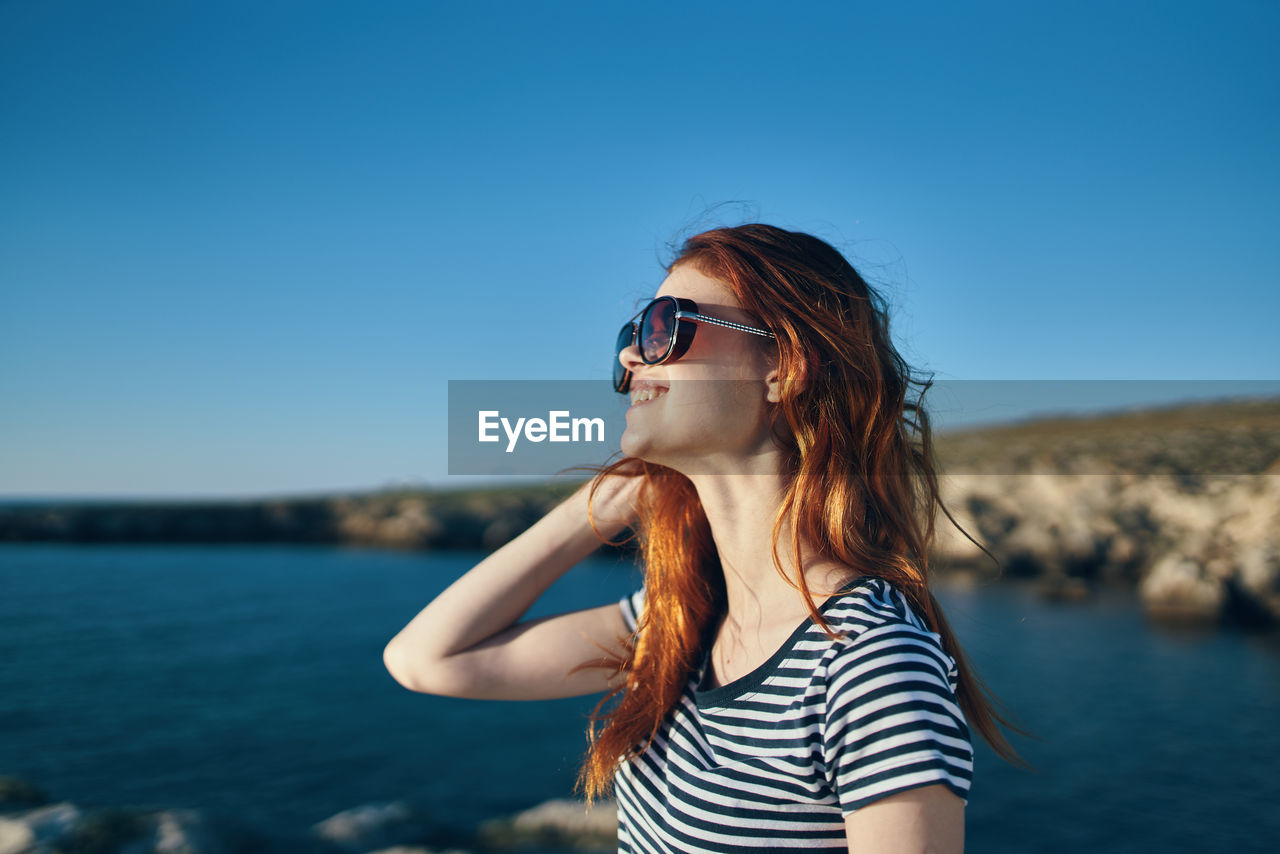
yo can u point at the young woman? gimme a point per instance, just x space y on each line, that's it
784 678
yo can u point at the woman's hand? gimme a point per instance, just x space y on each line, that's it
615 505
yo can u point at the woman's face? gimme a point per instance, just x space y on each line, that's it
713 415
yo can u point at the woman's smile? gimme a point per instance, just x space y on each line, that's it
644 391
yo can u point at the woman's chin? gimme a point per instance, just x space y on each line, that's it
642 448
635 445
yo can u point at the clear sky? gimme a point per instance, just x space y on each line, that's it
245 245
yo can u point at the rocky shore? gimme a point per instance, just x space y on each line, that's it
431 520
33 823
1183 503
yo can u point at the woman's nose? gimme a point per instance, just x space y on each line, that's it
630 357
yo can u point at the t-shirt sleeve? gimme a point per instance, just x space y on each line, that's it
632 607
892 720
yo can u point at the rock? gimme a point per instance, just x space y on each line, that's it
15 836
372 826
571 817
412 849
1180 589
41 826
187 832
1125 527
560 822
65 827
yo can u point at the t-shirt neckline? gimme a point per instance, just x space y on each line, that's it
713 697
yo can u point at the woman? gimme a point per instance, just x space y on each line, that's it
785 678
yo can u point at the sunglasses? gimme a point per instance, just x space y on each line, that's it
663 331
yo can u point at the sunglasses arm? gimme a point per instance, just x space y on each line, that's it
702 318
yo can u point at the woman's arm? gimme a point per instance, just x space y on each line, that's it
896 743
925 820
466 642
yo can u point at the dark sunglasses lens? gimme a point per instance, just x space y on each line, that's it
657 329
625 336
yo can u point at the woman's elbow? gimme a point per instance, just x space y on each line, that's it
418 675
395 663
405 670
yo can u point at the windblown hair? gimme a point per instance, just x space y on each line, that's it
860 483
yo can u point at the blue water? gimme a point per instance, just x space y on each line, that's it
248 680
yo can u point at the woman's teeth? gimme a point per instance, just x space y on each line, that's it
647 394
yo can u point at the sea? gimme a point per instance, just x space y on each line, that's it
247 680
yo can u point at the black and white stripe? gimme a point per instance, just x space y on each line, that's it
778 758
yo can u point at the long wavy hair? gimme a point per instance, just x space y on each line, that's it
859 472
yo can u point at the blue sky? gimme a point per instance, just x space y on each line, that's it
244 246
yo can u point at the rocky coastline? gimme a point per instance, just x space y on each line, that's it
33 823
1182 503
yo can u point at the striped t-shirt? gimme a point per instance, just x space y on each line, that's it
778 758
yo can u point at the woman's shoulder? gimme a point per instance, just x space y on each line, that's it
877 626
866 603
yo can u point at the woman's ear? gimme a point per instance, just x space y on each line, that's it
774 385
773 381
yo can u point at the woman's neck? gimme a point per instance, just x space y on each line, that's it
741 509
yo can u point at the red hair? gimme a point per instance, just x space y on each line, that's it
860 482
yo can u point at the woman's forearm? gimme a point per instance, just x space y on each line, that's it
498 591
